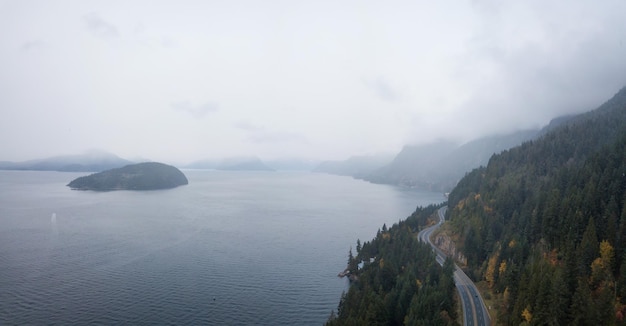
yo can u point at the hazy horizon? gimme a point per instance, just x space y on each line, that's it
193 80
95 153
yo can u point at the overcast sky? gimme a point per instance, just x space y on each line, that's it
179 81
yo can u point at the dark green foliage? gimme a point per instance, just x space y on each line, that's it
400 282
553 210
142 176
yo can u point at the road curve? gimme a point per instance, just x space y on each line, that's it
474 309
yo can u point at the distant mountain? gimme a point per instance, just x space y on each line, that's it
439 165
142 176
414 165
355 166
293 164
203 164
243 164
231 164
92 161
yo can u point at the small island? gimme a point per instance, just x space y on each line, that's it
142 176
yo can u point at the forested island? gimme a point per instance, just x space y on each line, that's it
542 229
142 176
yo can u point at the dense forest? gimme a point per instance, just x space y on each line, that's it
544 224
395 280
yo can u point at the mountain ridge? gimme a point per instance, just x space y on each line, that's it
90 161
438 166
543 224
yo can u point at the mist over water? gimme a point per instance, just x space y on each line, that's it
229 248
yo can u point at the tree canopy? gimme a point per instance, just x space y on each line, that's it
142 176
399 281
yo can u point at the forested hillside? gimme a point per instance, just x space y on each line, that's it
544 224
396 280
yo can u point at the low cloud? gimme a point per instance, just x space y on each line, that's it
99 27
520 78
197 112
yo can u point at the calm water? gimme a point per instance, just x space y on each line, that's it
231 248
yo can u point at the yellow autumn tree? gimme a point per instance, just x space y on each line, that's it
606 254
527 315
601 266
490 274
502 268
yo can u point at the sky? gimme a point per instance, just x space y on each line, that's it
179 81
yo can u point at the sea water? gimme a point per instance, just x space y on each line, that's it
230 248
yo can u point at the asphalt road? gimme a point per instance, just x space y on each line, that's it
474 309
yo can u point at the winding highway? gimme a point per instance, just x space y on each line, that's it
474 310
